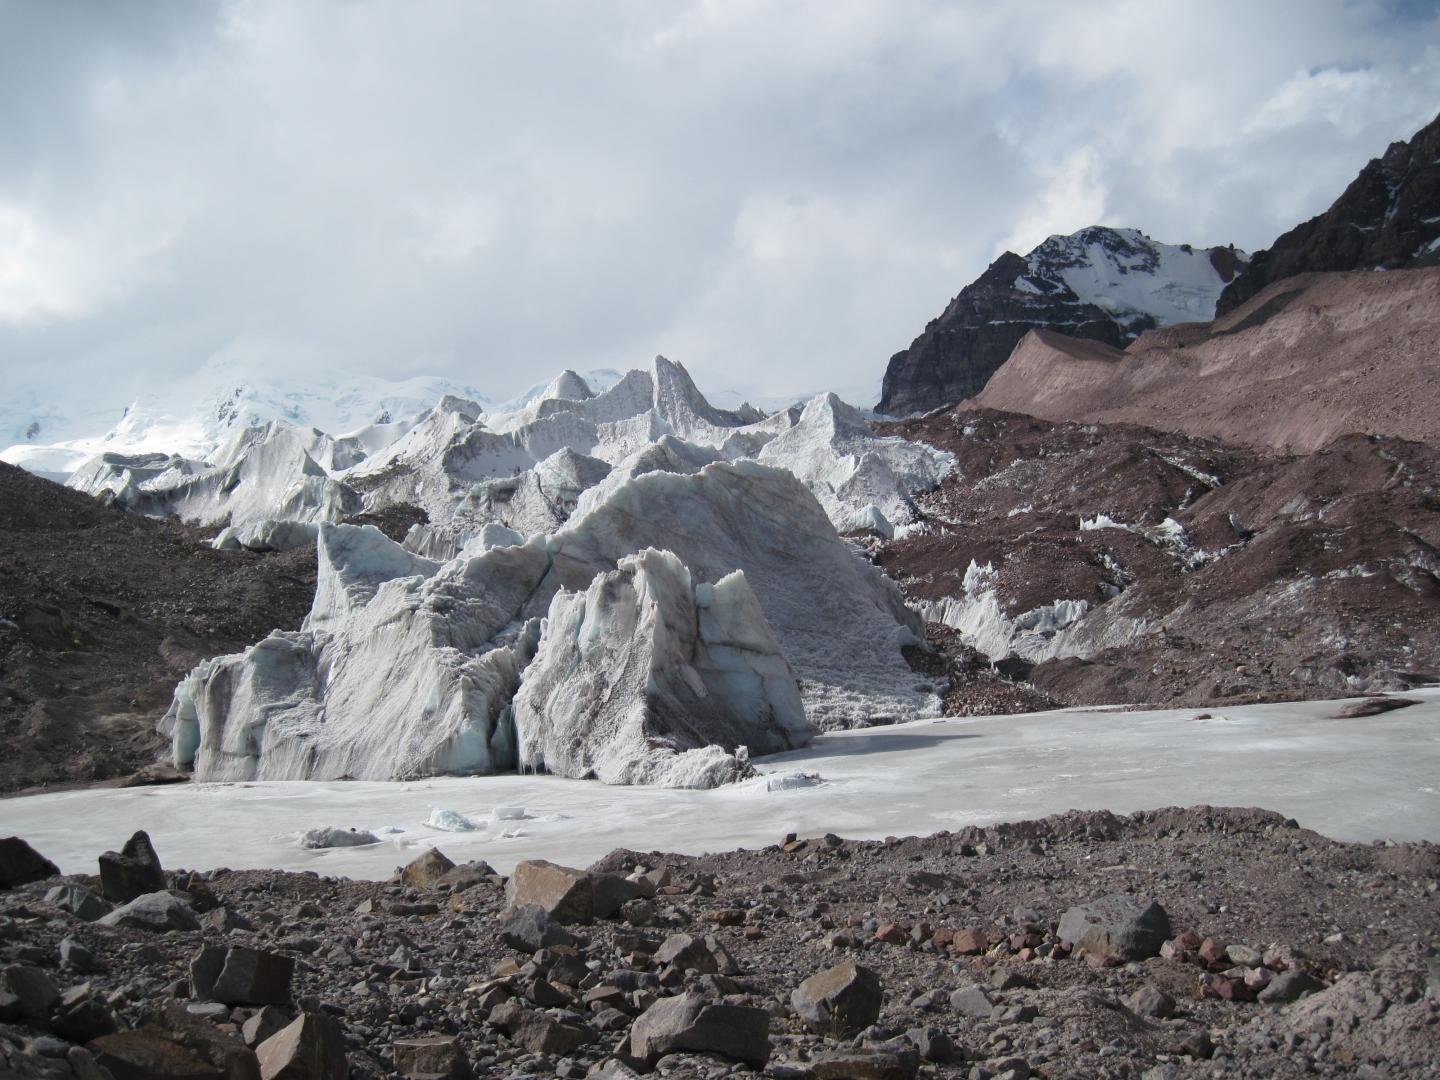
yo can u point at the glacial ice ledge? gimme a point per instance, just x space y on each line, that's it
408 667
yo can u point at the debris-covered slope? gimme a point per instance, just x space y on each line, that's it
1309 359
101 611
1165 943
1126 564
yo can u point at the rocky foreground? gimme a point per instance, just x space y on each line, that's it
1195 942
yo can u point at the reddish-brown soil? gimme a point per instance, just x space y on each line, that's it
1307 360
1300 576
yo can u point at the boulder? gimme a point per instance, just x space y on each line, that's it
75 955
1151 1001
1120 926
311 1048
424 872
439 1056
688 953
156 911
132 871
80 1016
973 1000
21 864
537 1032
79 901
934 1045
241 976
839 1001
690 1023
529 928
866 1063
26 994
264 1023
565 894
1290 986
150 1054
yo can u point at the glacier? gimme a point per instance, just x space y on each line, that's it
648 677
406 666
703 544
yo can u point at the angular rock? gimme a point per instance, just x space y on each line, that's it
241 976
79 901
80 1016
425 871
690 1023
439 1056
839 1001
75 955
1151 1001
263 1024
866 1063
972 1001
148 1054
688 953
158 911
565 894
537 1032
1119 926
611 892
934 1045
26 993
132 871
529 928
21 864
1290 986
311 1048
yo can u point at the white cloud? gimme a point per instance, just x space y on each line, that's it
778 194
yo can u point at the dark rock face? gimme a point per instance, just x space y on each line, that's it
132 871
20 863
958 352
1388 218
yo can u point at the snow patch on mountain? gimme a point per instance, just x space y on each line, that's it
1132 277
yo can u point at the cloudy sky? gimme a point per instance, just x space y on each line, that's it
779 195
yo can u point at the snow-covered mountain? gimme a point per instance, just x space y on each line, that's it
195 415
1100 283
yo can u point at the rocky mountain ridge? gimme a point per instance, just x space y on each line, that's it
1100 284
1388 218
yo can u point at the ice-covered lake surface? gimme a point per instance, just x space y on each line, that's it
1365 779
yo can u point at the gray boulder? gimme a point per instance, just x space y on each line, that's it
158 911
79 901
1125 927
529 928
691 1023
1290 986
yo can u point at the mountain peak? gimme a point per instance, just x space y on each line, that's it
1103 283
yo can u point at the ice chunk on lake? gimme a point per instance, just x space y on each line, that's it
332 836
450 821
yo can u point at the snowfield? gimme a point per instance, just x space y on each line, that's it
1367 779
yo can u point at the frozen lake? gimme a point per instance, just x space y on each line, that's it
1365 779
